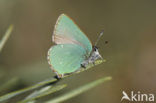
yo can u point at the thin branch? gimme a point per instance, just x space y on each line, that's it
5 37
79 90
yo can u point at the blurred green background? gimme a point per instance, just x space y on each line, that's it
130 29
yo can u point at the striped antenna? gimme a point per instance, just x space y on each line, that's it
99 37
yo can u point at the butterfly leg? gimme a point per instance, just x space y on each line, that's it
56 77
67 74
83 66
94 63
54 82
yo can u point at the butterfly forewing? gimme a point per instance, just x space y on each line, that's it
67 32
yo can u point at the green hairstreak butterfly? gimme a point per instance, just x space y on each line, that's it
73 50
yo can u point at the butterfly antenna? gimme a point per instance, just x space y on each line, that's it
99 37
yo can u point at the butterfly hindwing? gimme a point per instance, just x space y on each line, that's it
66 58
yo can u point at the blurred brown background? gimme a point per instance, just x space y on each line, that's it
130 28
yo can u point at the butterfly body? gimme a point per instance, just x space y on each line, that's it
72 51
92 58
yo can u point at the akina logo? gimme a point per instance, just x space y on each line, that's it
137 96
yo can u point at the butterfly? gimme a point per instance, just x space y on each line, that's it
73 50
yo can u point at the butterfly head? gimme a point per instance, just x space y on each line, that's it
95 53
92 58
95 48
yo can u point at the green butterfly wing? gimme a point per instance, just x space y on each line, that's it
67 32
66 58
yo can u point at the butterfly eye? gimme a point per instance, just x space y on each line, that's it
95 48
